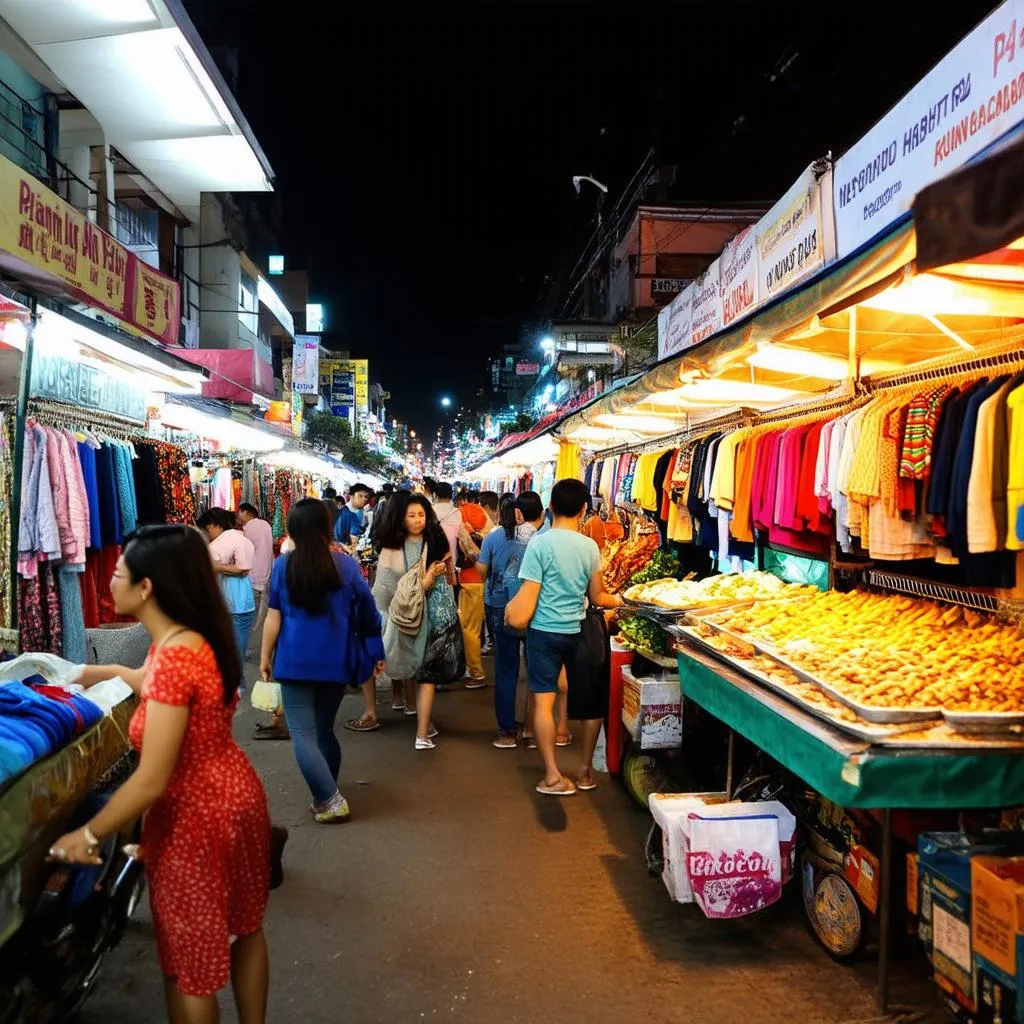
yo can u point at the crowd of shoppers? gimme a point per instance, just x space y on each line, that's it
527 578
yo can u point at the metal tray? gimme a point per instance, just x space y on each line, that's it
870 713
984 721
864 731
989 742
881 716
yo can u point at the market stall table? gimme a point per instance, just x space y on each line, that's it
850 772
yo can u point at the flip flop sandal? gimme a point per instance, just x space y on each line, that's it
398 707
530 742
362 724
564 741
585 787
557 790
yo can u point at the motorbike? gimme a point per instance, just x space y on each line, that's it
73 917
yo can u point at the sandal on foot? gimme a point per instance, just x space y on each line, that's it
530 742
564 787
564 741
277 731
362 724
410 712
398 707
585 783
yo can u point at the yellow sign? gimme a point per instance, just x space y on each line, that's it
345 384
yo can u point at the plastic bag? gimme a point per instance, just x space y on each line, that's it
56 671
734 863
266 696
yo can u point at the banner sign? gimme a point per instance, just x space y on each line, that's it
527 369
739 279
706 305
305 364
675 319
791 238
972 97
78 383
665 289
345 386
39 229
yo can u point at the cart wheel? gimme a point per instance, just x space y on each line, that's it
834 914
643 775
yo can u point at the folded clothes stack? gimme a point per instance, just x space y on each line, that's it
37 719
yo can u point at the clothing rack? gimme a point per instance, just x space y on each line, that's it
740 418
1011 358
61 414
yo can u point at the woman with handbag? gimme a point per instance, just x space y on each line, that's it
322 633
415 596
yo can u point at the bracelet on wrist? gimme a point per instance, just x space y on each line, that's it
90 836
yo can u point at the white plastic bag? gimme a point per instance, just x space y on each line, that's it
56 671
734 863
266 696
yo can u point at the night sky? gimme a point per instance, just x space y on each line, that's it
424 153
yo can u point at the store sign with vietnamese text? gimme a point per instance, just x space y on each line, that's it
706 305
738 278
84 385
674 324
791 238
972 97
39 229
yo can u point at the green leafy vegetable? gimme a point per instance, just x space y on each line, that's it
662 565
641 633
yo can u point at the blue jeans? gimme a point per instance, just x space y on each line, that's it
310 710
242 621
506 670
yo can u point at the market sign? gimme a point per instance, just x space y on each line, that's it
527 369
40 231
738 277
305 364
345 386
665 289
792 237
674 324
970 99
82 384
706 304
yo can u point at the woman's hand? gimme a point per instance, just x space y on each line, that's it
266 670
431 576
380 668
75 848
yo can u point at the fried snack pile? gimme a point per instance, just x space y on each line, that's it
895 652
668 593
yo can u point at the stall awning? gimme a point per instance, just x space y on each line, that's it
236 374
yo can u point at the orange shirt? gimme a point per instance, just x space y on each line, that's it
594 528
477 521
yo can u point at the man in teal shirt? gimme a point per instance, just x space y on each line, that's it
561 570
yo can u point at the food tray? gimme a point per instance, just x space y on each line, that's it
880 716
866 730
984 721
902 741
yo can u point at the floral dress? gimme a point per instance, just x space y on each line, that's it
206 841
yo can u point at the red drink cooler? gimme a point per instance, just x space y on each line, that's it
615 730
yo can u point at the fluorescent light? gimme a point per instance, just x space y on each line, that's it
928 293
118 13
735 392
266 294
315 318
226 431
638 424
275 265
799 362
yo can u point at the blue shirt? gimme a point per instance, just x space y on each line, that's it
503 558
349 525
562 562
342 644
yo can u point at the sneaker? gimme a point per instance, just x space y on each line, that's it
432 731
473 683
335 812
487 649
505 741
425 744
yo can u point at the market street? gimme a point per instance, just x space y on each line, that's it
424 906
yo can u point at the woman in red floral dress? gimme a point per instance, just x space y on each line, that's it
206 832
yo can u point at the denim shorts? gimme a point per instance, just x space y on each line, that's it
584 656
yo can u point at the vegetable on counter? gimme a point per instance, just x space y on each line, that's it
641 634
663 564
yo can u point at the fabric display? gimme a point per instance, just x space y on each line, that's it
37 719
6 487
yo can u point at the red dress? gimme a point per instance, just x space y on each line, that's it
206 841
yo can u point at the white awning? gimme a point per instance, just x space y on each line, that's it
140 68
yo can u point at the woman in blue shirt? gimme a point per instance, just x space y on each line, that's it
322 633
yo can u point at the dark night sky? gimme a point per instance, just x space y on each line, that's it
424 154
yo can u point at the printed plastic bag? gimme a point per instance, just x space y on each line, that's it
734 863
266 696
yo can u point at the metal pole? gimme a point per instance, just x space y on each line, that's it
729 766
24 393
852 345
885 911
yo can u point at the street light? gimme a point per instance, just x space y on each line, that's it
547 344
446 402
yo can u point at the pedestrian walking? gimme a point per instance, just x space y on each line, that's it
261 536
206 829
561 570
232 553
477 523
415 596
322 633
